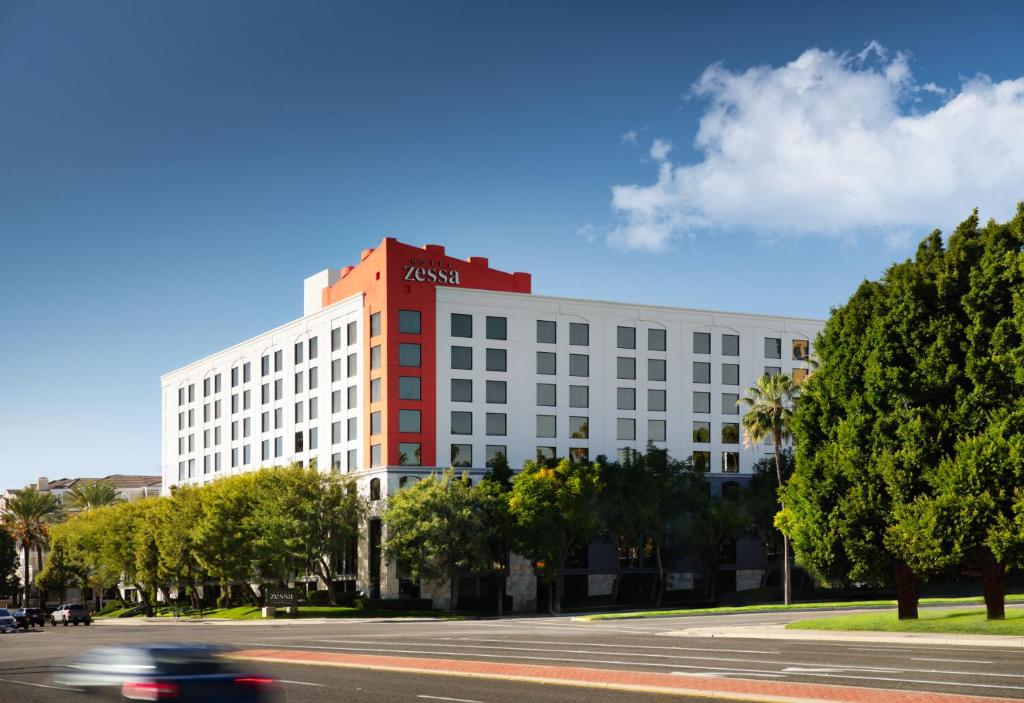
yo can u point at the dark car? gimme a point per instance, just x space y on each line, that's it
156 672
36 616
22 619
72 613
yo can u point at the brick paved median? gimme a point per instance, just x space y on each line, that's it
731 689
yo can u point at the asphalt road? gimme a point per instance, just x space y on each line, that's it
27 660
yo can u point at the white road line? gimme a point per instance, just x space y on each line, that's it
600 644
719 674
40 685
924 681
952 661
445 698
300 683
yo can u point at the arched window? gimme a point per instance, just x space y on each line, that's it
375 489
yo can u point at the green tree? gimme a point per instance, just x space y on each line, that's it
87 494
761 498
498 529
769 415
60 572
176 541
27 516
500 472
225 538
435 529
8 563
555 509
716 524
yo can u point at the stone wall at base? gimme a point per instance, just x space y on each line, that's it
439 592
679 581
600 584
748 579
521 584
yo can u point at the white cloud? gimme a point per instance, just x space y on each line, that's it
628 137
660 149
826 145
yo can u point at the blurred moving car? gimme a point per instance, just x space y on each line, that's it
22 619
7 622
158 672
37 616
73 613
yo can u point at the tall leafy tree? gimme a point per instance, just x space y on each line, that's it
769 415
27 516
8 563
88 494
176 540
225 539
498 525
761 498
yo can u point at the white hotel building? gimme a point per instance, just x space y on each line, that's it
413 359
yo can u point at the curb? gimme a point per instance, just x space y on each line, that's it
779 632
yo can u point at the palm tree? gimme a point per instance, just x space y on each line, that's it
27 516
769 414
89 494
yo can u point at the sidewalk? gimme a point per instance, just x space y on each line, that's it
680 685
779 632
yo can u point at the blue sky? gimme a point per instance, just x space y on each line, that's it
170 172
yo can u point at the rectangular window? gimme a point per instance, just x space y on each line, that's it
496 424
497 327
547 332
772 370
216 383
265 393
655 369
234 457
730 462
625 428
336 339
462 325
336 462
800 349
314 348
299 411
409 387
701 402
216 462
625 367
299 349
335 433
246 426
579 455
206 464
496 360
730 345
625 398
462 455
298 441
409 454
191 417
246 455
799 375
206 387
545 425
278 389
579 427
313 406
579 334
314 439
352 459
206 412
701 342
375 390
625 337
497 392
730 433
314 377
191 443
702 461
375 424
729 404
234 378
579 396
375 458
181 396
246 400
191 392
462 390
351 334
375 324
772 348
278 418
265 450
462 422
375 357
545 453
206 439
352 429
462 358
234 430
298 381
546 394
352 365
579 365
409 321
701 372
730 374
655 430
408 420
336 406
352 397
246 372
491 452
278 360
656 339
656 399
234 403
546 363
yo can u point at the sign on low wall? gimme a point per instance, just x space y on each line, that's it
278 597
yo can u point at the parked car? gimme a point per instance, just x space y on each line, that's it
37 616
72 613
184 673
7 622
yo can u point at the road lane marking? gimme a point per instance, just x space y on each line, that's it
446 698
951 661
300 683
40 685
601 644
923 681
719 674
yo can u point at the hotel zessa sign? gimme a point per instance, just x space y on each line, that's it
431 271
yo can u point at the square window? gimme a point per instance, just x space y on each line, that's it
579 334
375 455
772 348
375 324
462 422
462 455
701 372
496 424
730 462
655 430
352 429
462 358
702 432
546 394
375 356
729 404
701 342
656 339
656 399
625 398
625 367
625 337
701 402
730 345
655 369
579 365
314 348
462 325
409 387
497 327
579 455
545 453
702 461
352 397
798 376
546 363
801 347
375 390
375 423
409 321
579 427
496 360
351 334
730 374
730 433
462 390
579 396
492 451
497 392
336 339
625 428
352 365
408 420
547 332
772 370
545 425
408 354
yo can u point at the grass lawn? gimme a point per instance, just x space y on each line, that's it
113 613
959 622
778 606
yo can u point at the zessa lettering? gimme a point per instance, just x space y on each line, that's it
431 275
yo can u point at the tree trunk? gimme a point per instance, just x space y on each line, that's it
994 589
787 588
145 600
617 581
906 591
27 590
559 591
551 597
332 595
454 593
255 596
502 583
660 582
